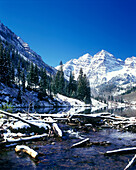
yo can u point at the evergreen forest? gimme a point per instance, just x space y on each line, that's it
19 72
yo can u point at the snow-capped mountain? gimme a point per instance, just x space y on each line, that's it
103 69
74 65
23 48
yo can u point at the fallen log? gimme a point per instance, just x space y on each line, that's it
27 150
131 162
22 139
56 129
44 115
81 143
35 126
120 151
55 126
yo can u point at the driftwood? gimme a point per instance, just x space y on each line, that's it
120 151
130 163
45 120
20 118
12 140
27 150
56 129
81 143
44 115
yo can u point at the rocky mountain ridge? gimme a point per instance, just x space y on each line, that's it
23 48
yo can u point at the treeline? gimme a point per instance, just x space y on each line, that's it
19 72
79 89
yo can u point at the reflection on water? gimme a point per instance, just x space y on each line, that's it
41 110
125 112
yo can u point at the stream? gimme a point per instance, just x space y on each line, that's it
58 154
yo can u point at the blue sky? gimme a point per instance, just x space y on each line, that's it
65 29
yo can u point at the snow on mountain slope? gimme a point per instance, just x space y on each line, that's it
74 66
23 48
103 68
101 64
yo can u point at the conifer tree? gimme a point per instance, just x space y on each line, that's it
8 65
87 91
61 87
83 88
19 96
36 76
80 86
13 54
18 72
31 76
53 85
5 68
58 83
12 74
23 80
49 84
1 62
71 87
43 81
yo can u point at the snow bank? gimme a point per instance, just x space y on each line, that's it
96 105
19 125
70 101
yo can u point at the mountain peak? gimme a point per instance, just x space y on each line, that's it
103 53
85 56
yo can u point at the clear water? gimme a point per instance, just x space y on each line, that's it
58 154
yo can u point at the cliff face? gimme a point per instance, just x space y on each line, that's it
23 48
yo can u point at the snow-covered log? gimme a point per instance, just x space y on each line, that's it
120 151
81 143
49 120
12 140
27 150
131 162
53 115
36 126
56 129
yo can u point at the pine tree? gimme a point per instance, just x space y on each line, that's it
58 81
12 74
49 84
61 87
72 86
13 54
87 90
8 76
18 72
1 62
5 73
83 88
23 80
36 76
43 81
53 85
31 76
19 96
80 86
